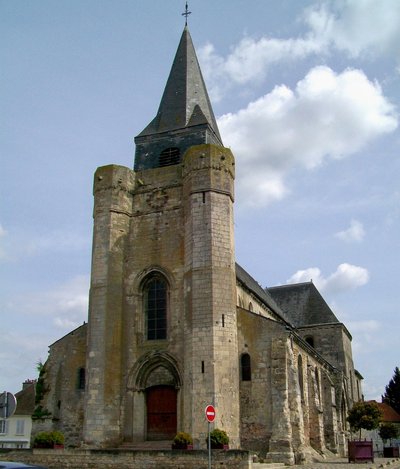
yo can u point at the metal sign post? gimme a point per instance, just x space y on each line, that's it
209 446
210 416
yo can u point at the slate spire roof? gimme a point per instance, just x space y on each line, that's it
185 101
185 116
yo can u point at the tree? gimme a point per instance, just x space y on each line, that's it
392 391
388 431
365 415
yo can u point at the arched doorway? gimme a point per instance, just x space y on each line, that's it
161 412
152 400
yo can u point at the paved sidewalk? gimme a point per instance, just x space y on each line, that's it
342 463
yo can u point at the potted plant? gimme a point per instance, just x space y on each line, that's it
182 440
388 431
53 439
367 416
219 439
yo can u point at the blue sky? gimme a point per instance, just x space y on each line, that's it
307 96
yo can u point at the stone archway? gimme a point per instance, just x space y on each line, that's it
152 398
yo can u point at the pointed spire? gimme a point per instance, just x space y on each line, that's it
185 106
185 91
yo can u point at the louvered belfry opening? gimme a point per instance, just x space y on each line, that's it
169 156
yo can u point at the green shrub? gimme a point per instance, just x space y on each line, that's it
182 440
388 431
40 413
218 438
48 439
365 415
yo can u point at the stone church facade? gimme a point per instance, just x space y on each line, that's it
175 324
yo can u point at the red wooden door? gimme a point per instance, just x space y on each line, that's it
161 412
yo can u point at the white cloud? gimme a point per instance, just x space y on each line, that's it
66 304
21 351
355 232
19 244
367 326
57 241
327 115
249 61
355 27
346 277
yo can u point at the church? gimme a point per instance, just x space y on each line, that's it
175 324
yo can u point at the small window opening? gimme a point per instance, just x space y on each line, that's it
169 157
202 366
81 378
317 382
300 376
204 197
245 366
223 320
310 341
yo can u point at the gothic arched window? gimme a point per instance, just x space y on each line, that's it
155 307
245 367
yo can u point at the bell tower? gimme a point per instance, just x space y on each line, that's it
162 318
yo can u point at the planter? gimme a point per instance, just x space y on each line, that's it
391 452
182 447
220 446
360 451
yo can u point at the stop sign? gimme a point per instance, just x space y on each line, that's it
210 413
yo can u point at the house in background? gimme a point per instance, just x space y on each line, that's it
15 432
389 415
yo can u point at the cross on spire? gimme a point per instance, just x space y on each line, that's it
186 13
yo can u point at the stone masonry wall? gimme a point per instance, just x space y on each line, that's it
120 459
62 396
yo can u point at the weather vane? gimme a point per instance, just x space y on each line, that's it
186 13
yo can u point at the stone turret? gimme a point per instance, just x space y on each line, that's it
112 210
210 288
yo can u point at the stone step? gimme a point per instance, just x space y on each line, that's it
159 445
268 465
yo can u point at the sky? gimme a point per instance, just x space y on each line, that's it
306 94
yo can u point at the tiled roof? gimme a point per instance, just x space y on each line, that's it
26 400
389 414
